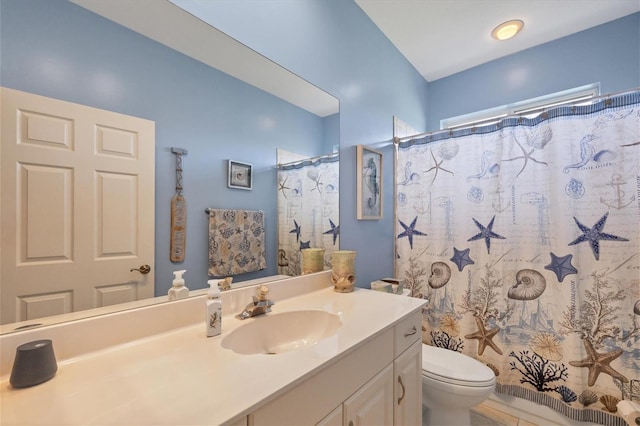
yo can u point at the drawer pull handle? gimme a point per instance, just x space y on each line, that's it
401 384
350 422
413 331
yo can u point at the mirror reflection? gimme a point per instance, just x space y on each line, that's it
212 115
308 212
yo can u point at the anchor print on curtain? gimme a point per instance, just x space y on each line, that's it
308 210
524 236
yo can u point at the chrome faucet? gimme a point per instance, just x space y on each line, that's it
260 305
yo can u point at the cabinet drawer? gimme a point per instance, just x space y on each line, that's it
406 332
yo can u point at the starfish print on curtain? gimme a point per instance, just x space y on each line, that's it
484 337
461 258
526 156
436 167
282 186
599 363
594 235
561 266
410 231
486 233
296 230
334 231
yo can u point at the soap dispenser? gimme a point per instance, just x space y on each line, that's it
214 309
178 289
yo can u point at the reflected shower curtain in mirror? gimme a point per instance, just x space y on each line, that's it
524 236
308 210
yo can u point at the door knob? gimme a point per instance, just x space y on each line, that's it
144 269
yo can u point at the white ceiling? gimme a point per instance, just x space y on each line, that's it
443 37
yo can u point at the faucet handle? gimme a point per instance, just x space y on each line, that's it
262 292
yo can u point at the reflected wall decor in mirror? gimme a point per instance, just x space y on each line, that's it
203 91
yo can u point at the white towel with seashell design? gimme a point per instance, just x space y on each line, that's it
236 242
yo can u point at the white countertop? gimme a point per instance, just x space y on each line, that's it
183 377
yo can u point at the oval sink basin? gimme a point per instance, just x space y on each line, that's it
277 333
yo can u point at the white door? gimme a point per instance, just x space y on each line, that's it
76 208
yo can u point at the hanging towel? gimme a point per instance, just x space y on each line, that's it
236 242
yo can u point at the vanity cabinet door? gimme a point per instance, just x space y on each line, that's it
334 418
408 386
373 403
244 421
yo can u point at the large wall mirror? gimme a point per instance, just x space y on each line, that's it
206 93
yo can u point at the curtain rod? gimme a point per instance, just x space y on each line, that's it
312 159
397 140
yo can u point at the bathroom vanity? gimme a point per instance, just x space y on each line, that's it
345 392
155 365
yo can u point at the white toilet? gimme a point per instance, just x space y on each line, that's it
452 383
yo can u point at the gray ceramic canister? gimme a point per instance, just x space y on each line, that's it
35 363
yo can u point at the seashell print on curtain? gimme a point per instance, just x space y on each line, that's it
308 210
524 236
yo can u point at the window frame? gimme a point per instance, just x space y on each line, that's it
528 108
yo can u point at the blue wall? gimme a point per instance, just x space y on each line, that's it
608 54
331 133
57 49
332 44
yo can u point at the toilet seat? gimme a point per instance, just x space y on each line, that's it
455 368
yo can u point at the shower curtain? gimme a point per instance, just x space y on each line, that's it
525 238
308 210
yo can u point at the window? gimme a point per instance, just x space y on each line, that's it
528 108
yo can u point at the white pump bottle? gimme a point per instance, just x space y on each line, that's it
214 309
178 289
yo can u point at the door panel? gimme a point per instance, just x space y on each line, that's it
45 207
116 233
77 207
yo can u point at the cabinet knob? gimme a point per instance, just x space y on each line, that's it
350 422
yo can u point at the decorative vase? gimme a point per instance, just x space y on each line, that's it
312 260
343 267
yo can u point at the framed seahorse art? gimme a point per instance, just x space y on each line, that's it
369 183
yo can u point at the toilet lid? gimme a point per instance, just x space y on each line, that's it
456 368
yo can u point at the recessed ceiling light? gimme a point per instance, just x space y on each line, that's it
506 30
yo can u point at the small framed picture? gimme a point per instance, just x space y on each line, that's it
369 183
240 175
